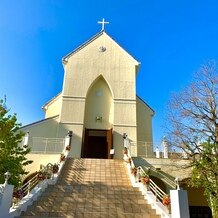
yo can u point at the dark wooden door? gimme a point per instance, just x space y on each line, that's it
97 144
109 143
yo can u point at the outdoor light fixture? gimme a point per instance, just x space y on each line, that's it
98 118
125 135
26 139
7 175
70 133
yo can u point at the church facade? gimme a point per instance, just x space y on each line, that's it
99 105
98 102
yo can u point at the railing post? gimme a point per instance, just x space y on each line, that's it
138 174
68 139
179 204
29 187
6 194
155 190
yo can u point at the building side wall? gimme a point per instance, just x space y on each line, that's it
144 127
40 159
73 110
125 113
47 128
54 108
53 129
118 139
76 142
196 196
118 69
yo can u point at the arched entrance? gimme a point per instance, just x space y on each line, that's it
98 121
198 206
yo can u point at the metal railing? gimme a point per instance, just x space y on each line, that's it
141 179
148 149
24 190
33 188
143 148
46 145
152 186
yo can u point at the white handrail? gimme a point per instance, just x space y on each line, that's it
151 191
159 193
29 185
32 193
25 189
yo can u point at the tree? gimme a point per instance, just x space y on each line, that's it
12 155
193 127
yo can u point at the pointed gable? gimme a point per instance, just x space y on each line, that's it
100 55
95 37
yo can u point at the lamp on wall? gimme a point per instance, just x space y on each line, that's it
125 136
26 139
98 118
7 175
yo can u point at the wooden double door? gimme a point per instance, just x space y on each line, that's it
97 144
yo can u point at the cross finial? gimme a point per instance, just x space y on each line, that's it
103 23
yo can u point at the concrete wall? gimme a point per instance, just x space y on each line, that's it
115 65
89 74
46 128
196 196
99 103
53 108
39 159
118 139
144 126
76 142
73 110
96 84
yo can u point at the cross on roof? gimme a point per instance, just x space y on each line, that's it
103 23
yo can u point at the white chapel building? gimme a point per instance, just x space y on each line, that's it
98 102
98 106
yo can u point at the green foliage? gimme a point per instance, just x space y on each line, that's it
205 174
12 156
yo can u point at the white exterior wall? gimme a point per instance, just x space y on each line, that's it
116 66
87 70
118 69
40 159
144 127
73 110
99 103
46 128
53 108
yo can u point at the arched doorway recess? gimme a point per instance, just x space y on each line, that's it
98 121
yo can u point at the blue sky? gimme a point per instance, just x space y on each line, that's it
171 39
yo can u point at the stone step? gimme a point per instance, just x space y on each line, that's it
92 215
78 193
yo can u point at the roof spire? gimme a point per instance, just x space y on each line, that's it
103 23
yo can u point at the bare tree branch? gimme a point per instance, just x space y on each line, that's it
192 117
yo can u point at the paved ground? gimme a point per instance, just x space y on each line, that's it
91 188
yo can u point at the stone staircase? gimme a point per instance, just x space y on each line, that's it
91 188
